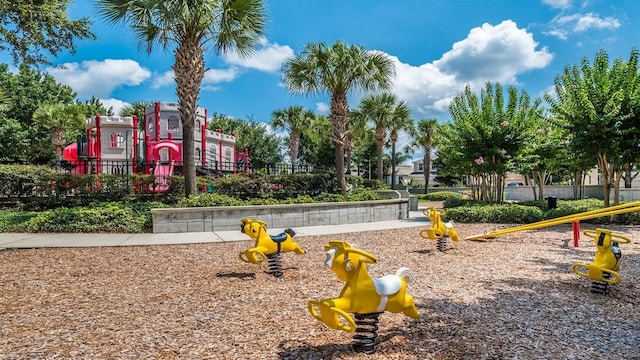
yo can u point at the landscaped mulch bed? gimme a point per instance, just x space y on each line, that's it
513 297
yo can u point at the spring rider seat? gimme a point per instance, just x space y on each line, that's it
362 295
605 268
267 246
440 230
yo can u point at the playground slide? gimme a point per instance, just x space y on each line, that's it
70 153
162 173
613 210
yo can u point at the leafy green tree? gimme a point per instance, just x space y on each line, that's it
65 121
377 109
365 153
598 103
29 89
485 134
30 28
338 70
423 138
264 148
400 120
295 120
192 27
316 148
93 107
544 153
136 108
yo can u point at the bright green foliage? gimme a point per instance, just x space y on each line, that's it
296 121
485 134
338 70
30 29
316 147
423 137
63 121
93 107
264 147
545 153
439 196
136 108
24 140
598 103
509 214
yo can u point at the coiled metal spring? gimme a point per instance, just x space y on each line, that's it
275 265
442 244
366 335
600 287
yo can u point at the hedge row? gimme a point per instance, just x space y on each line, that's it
529 212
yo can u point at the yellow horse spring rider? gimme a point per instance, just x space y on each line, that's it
439 229
363 295
267 246
605 268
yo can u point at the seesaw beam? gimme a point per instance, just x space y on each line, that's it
613 210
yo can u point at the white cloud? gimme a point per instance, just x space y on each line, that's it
211 77
322 107
268 57
489 53
116 104
558 4
563 25
99 78
163 80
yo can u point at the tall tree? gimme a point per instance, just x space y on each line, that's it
316 146
62 119
296 120
263 146
423 137
93 107
338 70
191 27
23 140
400 120
377 109
136 108
29 29
485 134
598 103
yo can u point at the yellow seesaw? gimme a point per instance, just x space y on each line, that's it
613 210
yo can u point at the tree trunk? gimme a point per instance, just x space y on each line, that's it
606 179
380 135
426 167
189 71
338 118
348 150
294 143
393 163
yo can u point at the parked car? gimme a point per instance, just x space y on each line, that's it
512 184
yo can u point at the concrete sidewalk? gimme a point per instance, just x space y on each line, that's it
44 240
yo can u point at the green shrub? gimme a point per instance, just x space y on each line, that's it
329 197
509 214
206 200
439 196
362 194
570 207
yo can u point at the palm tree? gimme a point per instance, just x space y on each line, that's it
400 120
192 27
136 108
337 70
426 130
62 118
296 120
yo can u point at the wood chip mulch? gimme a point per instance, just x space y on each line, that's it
513 297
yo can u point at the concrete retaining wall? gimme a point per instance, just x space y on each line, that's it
224 218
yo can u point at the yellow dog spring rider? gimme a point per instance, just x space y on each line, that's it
267 246
439 229
363 295
605 268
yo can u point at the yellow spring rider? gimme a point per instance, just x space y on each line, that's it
605 268
267 246
439 230
363 295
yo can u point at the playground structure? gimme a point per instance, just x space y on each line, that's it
363 295
268 246
574 219
439 230
115 145
605 268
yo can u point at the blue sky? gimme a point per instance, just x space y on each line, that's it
438 46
